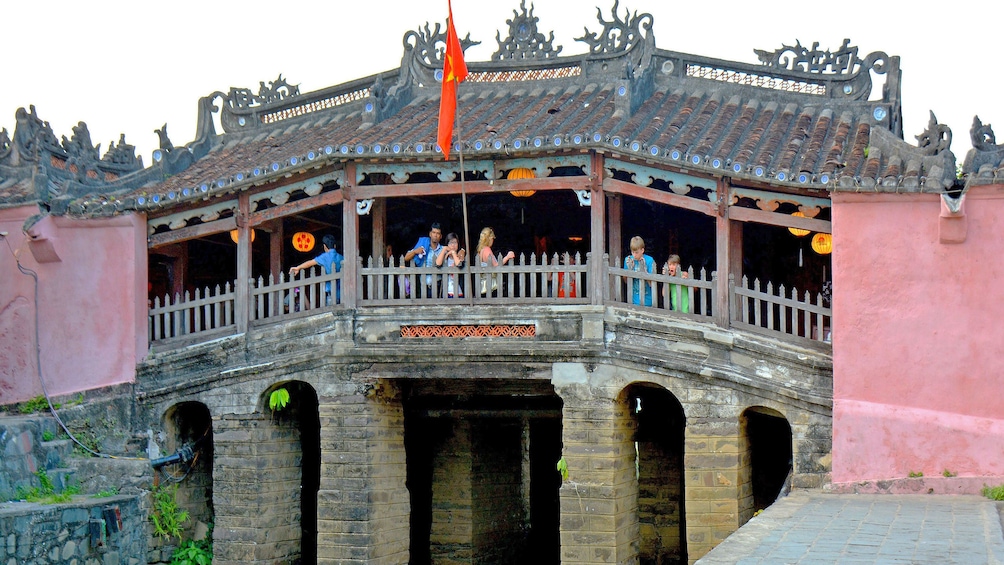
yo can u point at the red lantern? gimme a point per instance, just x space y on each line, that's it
303 241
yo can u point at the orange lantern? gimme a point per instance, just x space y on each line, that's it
235 235
303 241
521 173
822 243
795 231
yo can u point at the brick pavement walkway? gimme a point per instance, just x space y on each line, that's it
820 528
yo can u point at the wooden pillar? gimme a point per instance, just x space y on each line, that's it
379 213
729 247
242 294
615 216
275 246
350 238
597 266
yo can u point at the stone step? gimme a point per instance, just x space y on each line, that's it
61 477
56 451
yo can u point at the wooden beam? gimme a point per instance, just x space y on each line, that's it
615 214
290 208
615 186
379 213
741 214
472 187
191 232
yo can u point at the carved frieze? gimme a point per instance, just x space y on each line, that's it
525 41
852 73
618 35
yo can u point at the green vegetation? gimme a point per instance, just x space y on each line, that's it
563 469
46 493
194 552
37 404
915 474
994 493
113 491
47 435
278 399
948 473
168 518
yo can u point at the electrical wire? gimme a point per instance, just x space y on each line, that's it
38 366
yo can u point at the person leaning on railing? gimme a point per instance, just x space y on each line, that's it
679 298
638 261
486 257
330 259
453 257
424 253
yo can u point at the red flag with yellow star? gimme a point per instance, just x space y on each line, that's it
454 72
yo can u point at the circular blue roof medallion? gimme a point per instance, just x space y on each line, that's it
696 159
824 178
675 155
158 155
621 90
597 137
344 150
156 198
328 149
171 195
275 167
204 187
377 148
369 106
716 163
517 144
616 141
848 89
293 160
479 145
360 149
576 139
396 148
419 148
456 146
556 141
256 171
186 192
220 183
141 200
880 113
781 176
758 171
635 146
311 155
240 176
241 120
439 75
438 149
654 150
803 177
537 142
737 167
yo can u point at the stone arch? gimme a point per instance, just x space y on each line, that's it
188 440
654 423
766 454
294 463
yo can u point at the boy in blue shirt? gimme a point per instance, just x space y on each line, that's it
638 261
330 259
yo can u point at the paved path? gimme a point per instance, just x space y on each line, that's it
820 528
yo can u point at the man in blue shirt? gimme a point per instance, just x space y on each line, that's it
330 259
424 254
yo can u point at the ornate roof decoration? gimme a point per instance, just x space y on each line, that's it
428 45
79 145
843 62
982 136
32 134
618 35
936 139
5 145
123 154
524 41
984 161
276 91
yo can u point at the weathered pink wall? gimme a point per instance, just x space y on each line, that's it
918 335
91 303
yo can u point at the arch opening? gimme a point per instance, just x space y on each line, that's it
189 425
767 458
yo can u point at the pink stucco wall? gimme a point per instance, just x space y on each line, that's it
91 303
918 332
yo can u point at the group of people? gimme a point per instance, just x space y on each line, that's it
429 251
638 261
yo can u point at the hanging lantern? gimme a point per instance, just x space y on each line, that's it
235 235
303 241
795 231
822 243
521 173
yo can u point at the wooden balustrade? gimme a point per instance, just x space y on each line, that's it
527 280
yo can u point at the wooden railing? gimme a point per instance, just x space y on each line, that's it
691 295
527 280
781 312
204 312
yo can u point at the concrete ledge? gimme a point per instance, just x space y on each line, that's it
917 485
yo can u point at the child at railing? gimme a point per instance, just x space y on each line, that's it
638 261
453 257
679 297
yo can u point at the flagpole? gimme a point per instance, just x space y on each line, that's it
463 196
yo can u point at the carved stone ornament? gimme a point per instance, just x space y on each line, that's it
618 35
982 136
276 91
79 145
31 134
5 145
123 155
165 141
798 58
524 41
936 138
428 45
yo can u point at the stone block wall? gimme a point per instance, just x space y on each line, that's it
86 531
501 506
711 479
451 536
